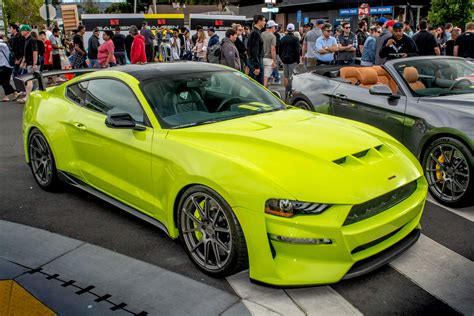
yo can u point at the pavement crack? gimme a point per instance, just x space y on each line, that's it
230 306
63 254
294 302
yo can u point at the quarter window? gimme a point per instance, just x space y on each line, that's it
104 95
77 92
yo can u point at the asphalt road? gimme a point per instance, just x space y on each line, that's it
76 214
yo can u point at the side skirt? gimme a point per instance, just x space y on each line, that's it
79 184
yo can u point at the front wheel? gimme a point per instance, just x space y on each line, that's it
42 162
448 167
210 233
303 105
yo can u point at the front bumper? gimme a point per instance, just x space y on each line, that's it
355 249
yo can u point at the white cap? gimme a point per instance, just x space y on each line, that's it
270 23
290 27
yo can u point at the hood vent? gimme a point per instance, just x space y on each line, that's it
370 154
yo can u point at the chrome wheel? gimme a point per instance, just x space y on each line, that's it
447 172
41 159
206 231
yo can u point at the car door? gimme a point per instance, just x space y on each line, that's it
115 161
356 103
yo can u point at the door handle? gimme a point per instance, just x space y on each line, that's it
341 96
80 126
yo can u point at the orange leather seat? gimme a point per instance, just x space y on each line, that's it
410 74
349 73
385 78
367 77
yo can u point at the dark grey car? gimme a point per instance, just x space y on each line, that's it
427 103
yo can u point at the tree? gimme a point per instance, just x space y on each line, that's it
23 11
457 12
90 7
142 5
119 8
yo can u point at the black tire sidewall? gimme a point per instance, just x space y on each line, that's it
303 105
232 264
54 182
467 197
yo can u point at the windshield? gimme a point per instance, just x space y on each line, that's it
207 97
437 76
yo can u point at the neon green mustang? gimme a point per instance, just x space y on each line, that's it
212 158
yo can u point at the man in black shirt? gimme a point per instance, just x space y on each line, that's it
128 45
451 42
119 43
41 48
425 41
464 46
290 55
17 45
361 37
398 45
30 57
255 48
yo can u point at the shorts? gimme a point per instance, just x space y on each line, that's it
57 62
267 67
288 70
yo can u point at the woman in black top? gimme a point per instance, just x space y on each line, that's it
241 48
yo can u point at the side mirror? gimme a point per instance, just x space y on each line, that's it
383 90
122 120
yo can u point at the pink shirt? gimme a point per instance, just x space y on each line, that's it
104 50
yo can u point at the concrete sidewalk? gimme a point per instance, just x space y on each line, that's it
72 277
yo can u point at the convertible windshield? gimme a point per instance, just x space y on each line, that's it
207 97
437 76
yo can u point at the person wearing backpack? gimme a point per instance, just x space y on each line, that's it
6 72
213 47
229 54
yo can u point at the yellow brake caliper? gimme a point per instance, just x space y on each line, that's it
439 172
198 233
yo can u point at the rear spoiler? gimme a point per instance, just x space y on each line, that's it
20 82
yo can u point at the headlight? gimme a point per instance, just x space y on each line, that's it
289 208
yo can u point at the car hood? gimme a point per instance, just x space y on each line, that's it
314 157
459 102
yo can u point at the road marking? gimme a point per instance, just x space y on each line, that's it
262 300
467 213
441 272
322 300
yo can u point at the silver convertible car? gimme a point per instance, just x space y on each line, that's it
427 103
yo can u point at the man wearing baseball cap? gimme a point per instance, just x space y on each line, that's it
387 27
290 55
398 45
269 50
30 57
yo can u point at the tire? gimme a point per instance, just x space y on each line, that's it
219 235
448 167
42 163
303 105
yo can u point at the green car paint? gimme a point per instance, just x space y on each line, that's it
288 154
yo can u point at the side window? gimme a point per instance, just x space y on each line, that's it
77 92
106 94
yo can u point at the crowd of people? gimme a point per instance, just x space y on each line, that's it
258 52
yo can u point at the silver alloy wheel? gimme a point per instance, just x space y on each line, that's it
447 172
41 159
206 231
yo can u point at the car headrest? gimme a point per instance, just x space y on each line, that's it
367 76
380 71
349 72
410 74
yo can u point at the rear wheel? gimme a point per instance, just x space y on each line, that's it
42 162
210 232
448 167
303 105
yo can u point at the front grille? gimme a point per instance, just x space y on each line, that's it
378 205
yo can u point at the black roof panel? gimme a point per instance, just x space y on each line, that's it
149 71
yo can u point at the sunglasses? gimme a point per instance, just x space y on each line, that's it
327 30
241 30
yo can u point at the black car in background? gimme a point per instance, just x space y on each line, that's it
427 103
